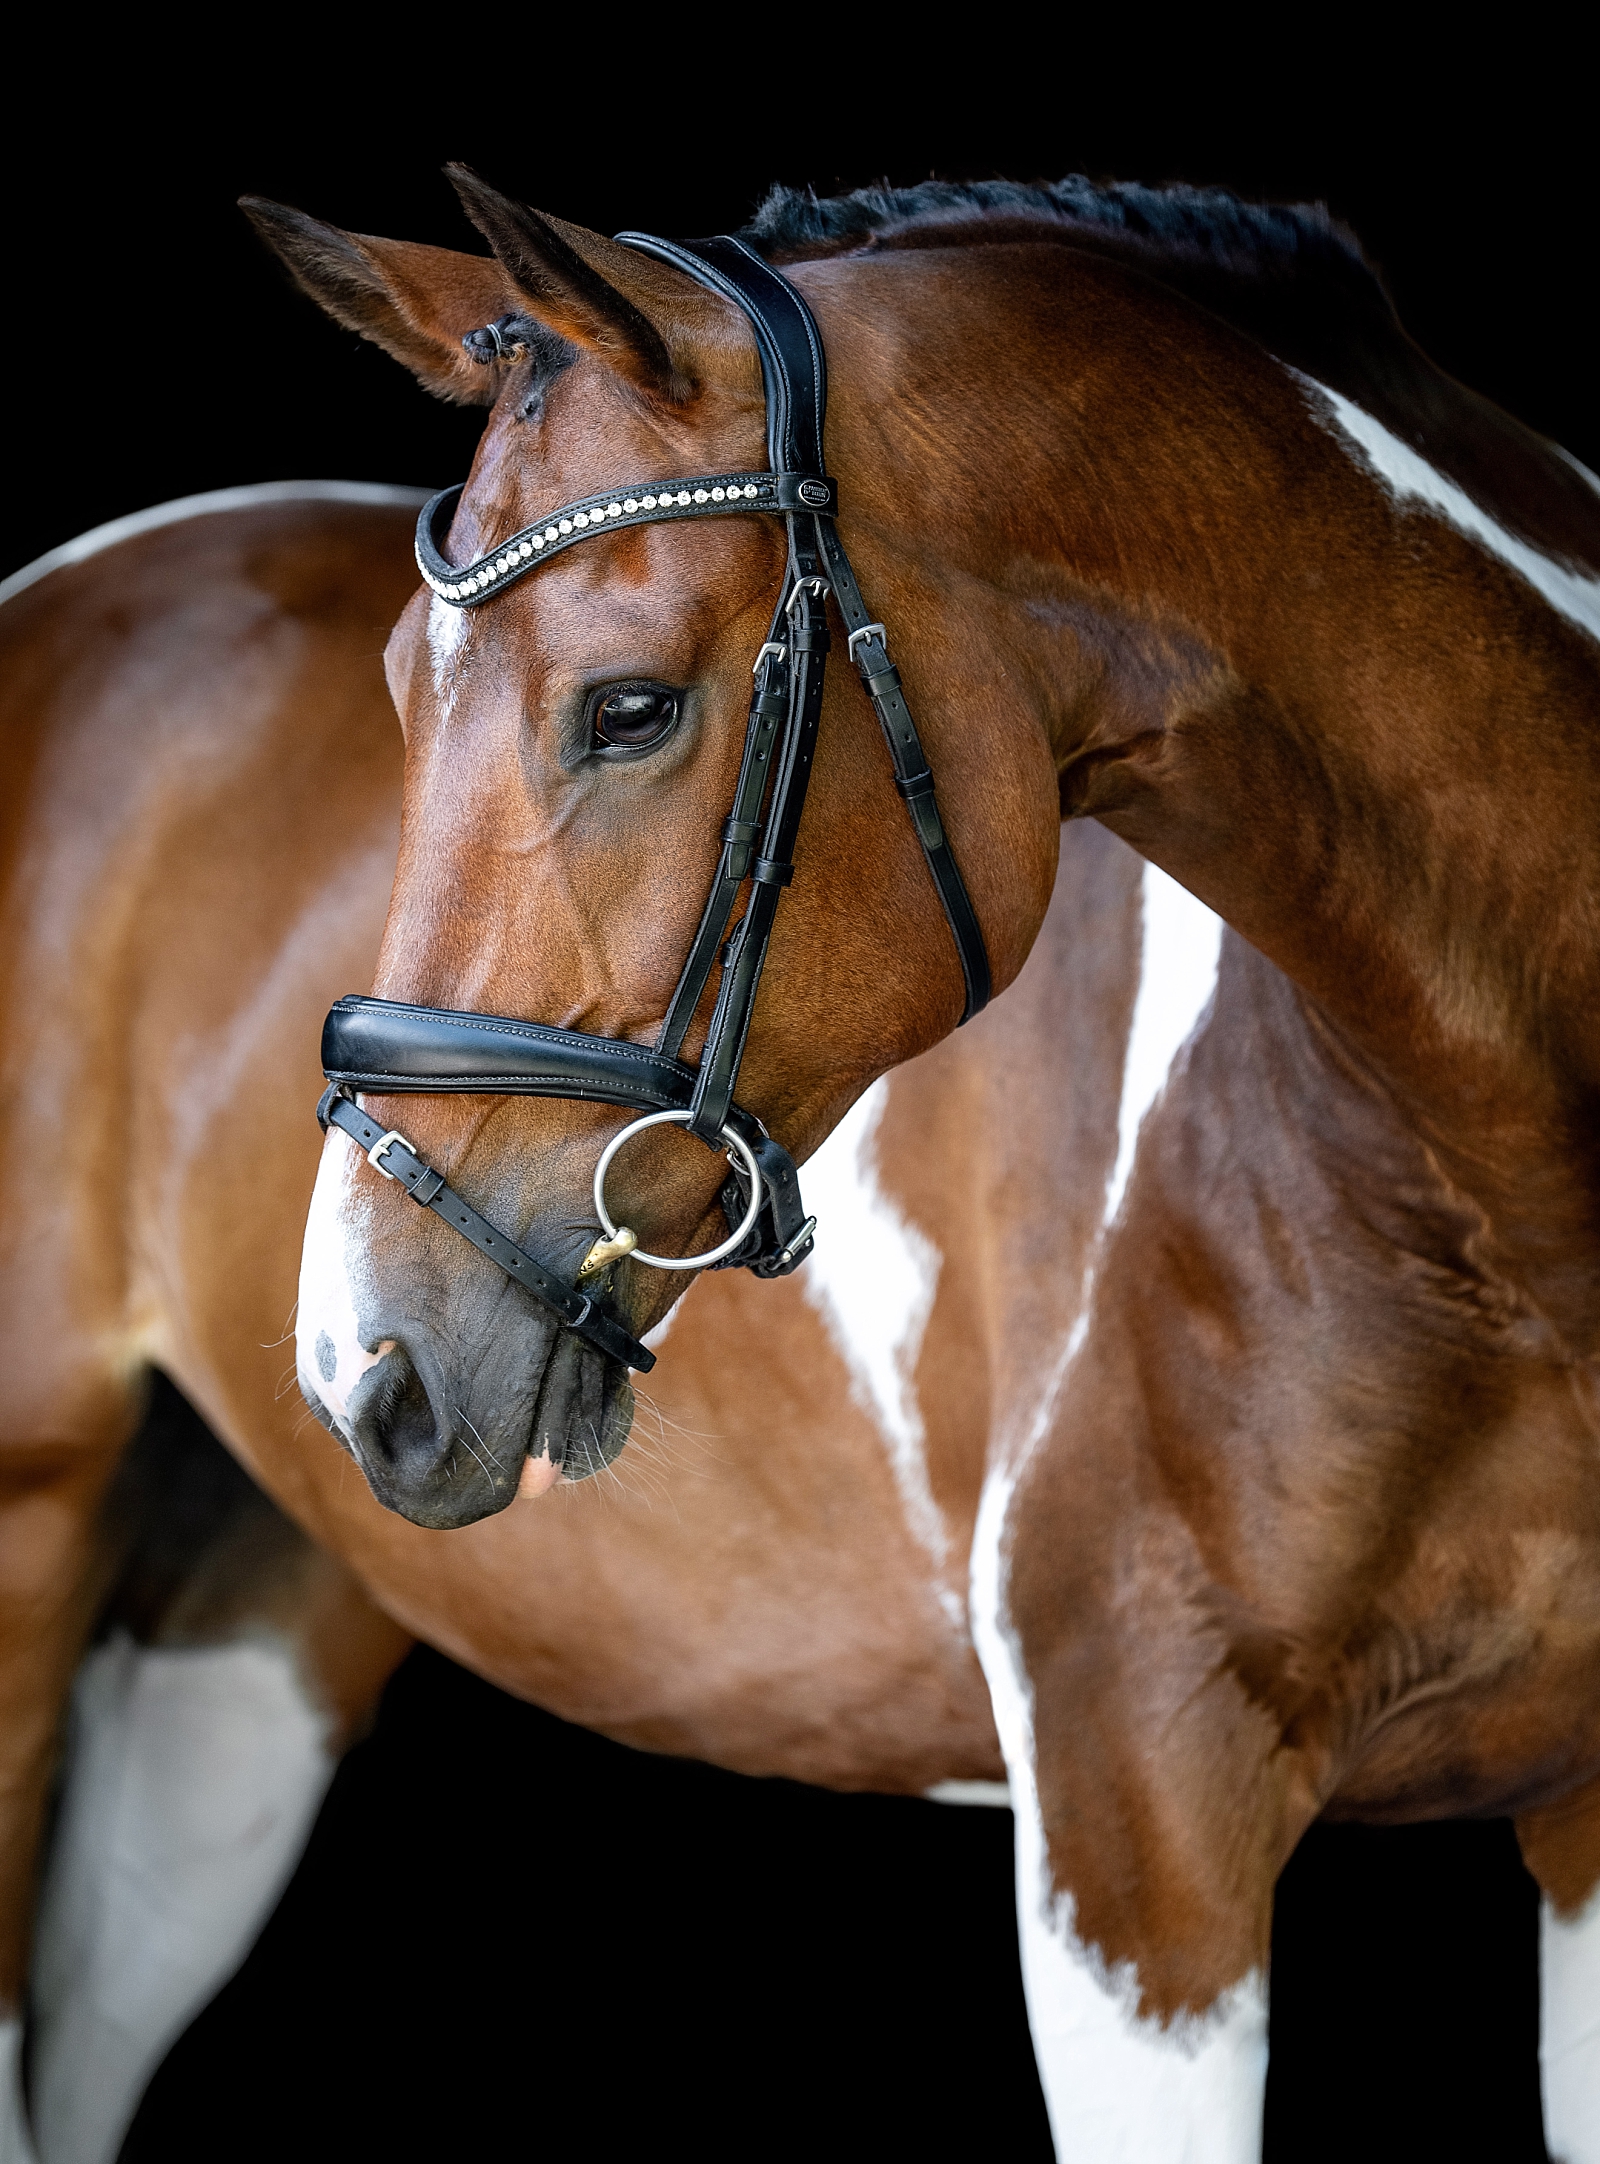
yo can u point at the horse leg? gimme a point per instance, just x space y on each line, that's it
205 1729
1150 1828
1561 1847
49 1501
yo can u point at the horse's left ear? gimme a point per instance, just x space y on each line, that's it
652 324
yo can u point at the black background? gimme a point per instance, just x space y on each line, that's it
507 1933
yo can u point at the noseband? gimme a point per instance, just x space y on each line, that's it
388 1047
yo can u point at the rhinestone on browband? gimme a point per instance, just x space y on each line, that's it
647 503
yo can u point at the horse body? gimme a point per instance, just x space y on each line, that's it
1208 1335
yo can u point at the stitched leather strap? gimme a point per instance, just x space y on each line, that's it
386 1044
769 707
389 1046
807 645
913 775
580 1312
792 365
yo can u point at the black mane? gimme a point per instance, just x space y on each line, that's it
1200 226
1288 275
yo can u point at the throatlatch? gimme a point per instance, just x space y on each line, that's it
392 1048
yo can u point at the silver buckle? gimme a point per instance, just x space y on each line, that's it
382 1144
773 646
818 586
868 631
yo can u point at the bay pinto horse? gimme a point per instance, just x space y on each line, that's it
1206 1345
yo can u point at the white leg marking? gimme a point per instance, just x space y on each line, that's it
329 1354
16 2144
1120 2090
1569 2032
193 1781
873 1278
995 1793
1408 478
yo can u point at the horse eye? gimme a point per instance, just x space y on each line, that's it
632 718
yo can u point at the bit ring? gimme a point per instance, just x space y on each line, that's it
679 1262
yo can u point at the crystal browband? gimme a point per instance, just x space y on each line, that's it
645 503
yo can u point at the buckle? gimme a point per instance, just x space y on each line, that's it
381 1146
817 586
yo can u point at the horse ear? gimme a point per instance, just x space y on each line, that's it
417 302
651 323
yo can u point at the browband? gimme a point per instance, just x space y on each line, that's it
646 503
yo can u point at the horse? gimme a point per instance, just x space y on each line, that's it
1189 1416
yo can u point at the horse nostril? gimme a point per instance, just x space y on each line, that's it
420 1456
392 1418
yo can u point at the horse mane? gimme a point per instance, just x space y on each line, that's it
1287 258
1288 275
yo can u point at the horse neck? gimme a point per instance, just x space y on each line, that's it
1362 734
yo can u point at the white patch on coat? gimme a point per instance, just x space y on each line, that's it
1179 947
1569 2031
447 630
333 1275
1177 976
16 2142
872 1277
194 1776
118 530
656 1336
1408 478
996 1794
1120 2089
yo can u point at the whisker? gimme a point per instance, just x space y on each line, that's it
488 1476
462 1415
288 1330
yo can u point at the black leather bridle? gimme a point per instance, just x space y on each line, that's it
389 1047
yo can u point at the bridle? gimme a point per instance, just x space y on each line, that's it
389 1047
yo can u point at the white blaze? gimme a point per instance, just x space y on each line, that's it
447 629
332 1274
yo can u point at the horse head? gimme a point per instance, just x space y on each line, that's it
571 751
